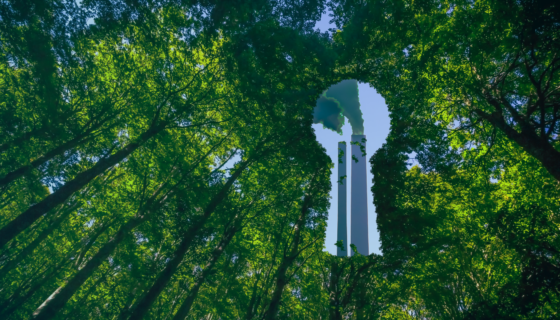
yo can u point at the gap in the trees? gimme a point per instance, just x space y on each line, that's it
376 129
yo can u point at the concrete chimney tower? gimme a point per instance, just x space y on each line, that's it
359 218
342 233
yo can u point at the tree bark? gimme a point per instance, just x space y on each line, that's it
19 172
185 308
35 243
143 305
354 278
128 304
334 295
282 278
139 287
58 299
17 300
251 307
24 220
281 282
255 303
91 241
75 313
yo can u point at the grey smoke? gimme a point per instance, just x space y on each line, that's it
329 113
339 101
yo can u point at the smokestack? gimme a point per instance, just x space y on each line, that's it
342 186
359 219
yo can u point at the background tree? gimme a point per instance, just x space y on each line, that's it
473 69
152 105
443 229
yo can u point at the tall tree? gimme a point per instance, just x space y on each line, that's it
472 68
169 109
446 231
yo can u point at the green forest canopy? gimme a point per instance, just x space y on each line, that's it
116 201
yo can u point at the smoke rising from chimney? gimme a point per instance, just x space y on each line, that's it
329 113
339 101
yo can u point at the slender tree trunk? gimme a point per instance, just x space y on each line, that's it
24 220
268 280
185 308
143 305
281 282
139 287
17 300
79 305
354 279
128 304
16 296
19 172
58 299
251 307
334 296
266 286
91 241
282 278
35 243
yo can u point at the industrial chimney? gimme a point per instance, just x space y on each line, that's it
359 218
342 187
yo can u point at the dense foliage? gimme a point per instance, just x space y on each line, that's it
466 187
157 159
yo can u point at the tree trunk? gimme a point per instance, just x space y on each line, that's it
74 314
139 287
267 280
19 172
35 243
334 295
282 278
24 220
143 305
185 308
91 241
281 282
128 304
58 299
17 300
354 279
251 307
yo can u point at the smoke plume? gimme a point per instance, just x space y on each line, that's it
329 113
339 101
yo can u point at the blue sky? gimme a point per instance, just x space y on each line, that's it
376 124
